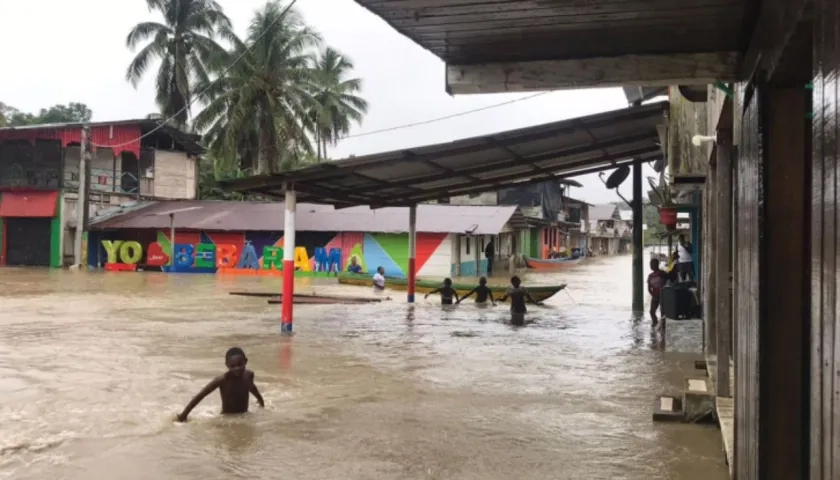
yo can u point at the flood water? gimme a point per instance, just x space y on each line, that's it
94 367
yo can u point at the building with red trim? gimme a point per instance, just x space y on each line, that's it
39 180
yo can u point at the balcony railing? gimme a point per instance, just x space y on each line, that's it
109 181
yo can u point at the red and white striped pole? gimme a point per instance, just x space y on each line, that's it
289 262
412 251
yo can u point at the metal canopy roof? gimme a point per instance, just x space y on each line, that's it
473 165
507 45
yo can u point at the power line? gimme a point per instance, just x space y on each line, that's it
446 117
195 97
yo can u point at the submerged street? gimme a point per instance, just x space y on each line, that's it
94 367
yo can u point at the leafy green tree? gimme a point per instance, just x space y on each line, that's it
185 46
337 103
70 113
256 112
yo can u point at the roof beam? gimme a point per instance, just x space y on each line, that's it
771 34
468 172
644 70
541 176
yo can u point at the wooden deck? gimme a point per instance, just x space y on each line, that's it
725 408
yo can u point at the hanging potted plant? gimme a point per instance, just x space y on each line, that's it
661 196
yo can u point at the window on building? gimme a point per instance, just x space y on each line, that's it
468 239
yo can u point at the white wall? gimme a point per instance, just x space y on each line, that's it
440 263
174 175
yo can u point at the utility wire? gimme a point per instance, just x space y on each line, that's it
446 117
195 97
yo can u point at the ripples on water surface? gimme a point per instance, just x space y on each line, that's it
94 366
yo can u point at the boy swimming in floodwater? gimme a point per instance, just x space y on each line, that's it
447 293
482 292
235 386
517 294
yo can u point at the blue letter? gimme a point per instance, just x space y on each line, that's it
249 257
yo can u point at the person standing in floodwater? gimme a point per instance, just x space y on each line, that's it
379 280
482 293
447 293
235 386
490 255
656 280
518 294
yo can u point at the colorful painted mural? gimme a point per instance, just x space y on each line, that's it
261 253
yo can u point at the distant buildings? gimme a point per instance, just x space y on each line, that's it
554 220
39 180
610 229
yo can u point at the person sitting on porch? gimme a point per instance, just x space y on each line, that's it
685 265
354 266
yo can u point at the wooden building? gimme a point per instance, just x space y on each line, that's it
762 77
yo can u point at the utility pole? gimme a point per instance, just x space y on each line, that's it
82 201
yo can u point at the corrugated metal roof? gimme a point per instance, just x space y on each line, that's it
263 216
601 212
473 165
189 141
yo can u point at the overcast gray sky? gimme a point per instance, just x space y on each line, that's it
65 51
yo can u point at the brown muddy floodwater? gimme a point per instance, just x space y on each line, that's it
93 368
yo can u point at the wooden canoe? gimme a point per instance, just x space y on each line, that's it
552 264
540 293
325 300
310 298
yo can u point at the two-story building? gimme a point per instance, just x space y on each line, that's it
609 233
553 220
39 180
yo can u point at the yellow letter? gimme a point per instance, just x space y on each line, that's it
111 248
131 253
302 260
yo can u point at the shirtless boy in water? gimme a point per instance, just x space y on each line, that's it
235 386
518 294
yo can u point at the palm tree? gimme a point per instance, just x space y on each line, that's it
337 105
258 108
185 47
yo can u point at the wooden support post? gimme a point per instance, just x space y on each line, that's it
784 295
723 259
638 247
710 279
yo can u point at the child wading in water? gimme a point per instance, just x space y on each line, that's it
517 294
656 280
447 293
235 386
482 293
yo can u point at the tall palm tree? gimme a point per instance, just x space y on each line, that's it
266 95
337 105
184 43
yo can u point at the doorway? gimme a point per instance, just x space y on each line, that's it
28 241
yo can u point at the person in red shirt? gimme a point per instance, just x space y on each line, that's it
656 280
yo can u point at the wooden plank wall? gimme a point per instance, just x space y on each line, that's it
825 331
748 198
